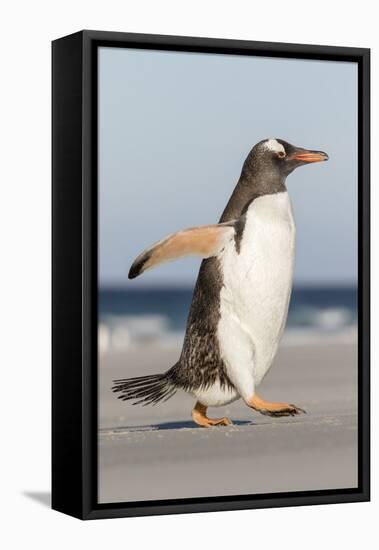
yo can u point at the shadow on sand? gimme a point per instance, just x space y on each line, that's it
189 424
167 426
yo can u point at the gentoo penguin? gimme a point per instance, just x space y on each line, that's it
240 302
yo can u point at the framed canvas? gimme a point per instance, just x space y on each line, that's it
238 378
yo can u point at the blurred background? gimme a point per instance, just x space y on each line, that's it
174 130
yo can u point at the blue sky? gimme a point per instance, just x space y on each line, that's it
174 130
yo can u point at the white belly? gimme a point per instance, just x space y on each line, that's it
256 292
215 395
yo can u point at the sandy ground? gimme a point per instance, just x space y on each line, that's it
158 452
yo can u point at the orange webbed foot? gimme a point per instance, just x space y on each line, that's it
269 408
199 416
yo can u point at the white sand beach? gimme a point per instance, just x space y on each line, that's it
148 453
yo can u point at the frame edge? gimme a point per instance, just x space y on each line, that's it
67 421
75 498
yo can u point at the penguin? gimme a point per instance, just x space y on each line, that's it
240 301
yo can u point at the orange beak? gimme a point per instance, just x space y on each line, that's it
309 156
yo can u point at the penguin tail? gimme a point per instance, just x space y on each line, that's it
145 390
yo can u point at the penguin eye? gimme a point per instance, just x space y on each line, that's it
281 154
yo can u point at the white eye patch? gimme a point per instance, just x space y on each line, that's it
273 145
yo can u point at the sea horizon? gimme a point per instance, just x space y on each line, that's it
158 314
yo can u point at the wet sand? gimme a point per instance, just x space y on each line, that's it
148 453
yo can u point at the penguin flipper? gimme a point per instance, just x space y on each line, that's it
204 241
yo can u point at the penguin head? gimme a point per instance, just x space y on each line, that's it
277 155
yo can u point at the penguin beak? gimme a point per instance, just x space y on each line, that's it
306 156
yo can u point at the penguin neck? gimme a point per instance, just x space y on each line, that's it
250 186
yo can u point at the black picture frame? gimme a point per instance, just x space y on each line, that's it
74 272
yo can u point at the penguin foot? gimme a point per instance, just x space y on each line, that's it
199 416
273 409
290 410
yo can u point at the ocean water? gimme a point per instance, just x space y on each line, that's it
129 316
